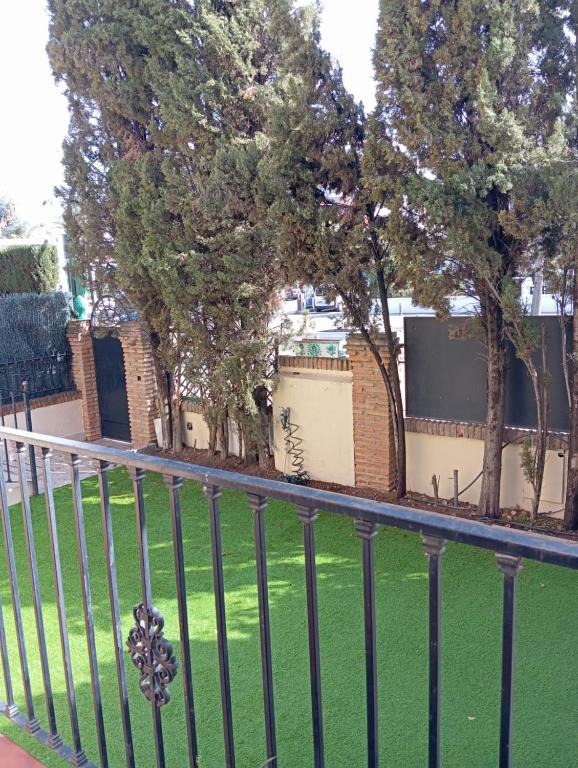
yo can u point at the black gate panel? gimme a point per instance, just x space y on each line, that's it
111 387
445 374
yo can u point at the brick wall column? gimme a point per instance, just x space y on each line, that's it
373 439
140 381
84 374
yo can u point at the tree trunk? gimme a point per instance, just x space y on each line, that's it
224 429
492 321
163 398
176 423
398 414
213 431
571 506
541 396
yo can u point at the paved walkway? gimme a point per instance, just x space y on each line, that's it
12 756
60 471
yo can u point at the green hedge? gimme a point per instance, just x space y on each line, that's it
28 269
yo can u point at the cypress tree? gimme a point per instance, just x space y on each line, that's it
470 95
168 104
329 214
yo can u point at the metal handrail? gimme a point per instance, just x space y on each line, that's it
478 534
152 654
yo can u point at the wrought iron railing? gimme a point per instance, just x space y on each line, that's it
48 375
153 655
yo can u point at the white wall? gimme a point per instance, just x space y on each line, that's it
433 454
59 420
196 432
321 405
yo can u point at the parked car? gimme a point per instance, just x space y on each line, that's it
291 293
321 304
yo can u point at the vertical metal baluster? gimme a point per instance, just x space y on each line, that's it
79 758
510 567
308 516
367 532
54 740
259 504
434 549
6 454
11 709
213 493
14 411
74 463
31 451
32 724
137 476
103 467
174 485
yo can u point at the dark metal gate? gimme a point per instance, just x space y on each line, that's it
111 387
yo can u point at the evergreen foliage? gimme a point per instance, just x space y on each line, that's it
10 225
28 269
471 105
331 221
168 105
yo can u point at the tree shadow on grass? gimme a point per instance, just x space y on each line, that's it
471 641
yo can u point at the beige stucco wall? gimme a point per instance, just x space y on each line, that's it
432 454
196 432
58 420
321 405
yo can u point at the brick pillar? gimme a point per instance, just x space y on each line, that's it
140 381
84 374
373 440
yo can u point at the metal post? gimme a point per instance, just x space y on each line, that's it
308 516
510 567
74 464
213 493
174 485
434 549
78 756
137 476
259 504
367 532
31 452
14 414
6 454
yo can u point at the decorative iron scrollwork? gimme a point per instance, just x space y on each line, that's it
111 310
152 654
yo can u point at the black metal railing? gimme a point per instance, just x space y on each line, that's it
8 402
153 655
48 375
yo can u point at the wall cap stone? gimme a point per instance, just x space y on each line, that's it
557 441
314 363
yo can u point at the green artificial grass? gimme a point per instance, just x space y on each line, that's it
546 708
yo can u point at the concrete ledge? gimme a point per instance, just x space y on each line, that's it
557 441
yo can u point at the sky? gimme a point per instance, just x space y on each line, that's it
33 111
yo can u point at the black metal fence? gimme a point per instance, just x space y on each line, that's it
151 653
48 375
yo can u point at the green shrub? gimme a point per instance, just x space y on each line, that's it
28 269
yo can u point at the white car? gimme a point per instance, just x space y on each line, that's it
320 304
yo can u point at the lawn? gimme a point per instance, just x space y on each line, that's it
546 713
